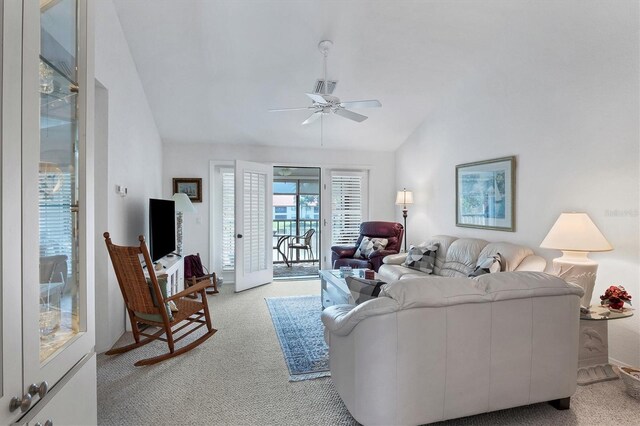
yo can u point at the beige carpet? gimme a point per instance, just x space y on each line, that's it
239 377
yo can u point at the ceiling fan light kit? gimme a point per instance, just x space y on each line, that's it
323 100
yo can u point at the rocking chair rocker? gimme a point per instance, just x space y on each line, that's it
148 305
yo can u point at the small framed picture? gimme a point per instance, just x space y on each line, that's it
190 186
485 194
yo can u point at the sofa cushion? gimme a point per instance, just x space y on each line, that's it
421 258
443 241
512 254
521 285
369 245
488 265
435 291
392 272
461 257
362 289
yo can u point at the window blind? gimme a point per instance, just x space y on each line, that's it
228 220
255 205
56 219
348 206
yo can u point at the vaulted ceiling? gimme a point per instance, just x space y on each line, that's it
211 69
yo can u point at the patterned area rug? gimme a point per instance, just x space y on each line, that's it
296 320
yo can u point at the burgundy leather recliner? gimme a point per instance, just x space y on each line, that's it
343 255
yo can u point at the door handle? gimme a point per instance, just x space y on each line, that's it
239 235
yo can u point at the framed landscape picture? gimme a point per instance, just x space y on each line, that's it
190 186
485 194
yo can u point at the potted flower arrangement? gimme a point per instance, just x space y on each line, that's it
615 297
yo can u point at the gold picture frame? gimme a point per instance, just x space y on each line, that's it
190 186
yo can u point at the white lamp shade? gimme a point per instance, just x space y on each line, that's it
183 203
575 232
404 197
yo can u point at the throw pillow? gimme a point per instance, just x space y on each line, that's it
422 258
362 289
162 283
369 245
488 265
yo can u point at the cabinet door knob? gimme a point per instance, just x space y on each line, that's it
40 390
49 422
22 403
239 235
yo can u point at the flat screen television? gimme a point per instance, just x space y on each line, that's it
162 228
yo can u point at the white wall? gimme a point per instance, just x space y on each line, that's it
192 160
568 109
133 159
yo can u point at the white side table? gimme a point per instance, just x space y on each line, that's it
593 354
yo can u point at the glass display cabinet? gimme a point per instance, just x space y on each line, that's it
46 216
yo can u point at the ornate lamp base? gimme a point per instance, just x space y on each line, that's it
179 233
577 268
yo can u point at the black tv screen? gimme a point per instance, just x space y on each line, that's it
162 228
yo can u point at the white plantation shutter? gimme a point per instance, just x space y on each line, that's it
255 206
228 220
348 205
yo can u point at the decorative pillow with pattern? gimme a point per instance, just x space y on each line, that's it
422 258
362 289
488 265
369 245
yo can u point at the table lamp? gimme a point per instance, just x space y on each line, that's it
576 235
403 198
183 205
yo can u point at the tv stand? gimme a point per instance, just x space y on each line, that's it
172 266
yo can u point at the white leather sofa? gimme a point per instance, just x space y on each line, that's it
457 257
433 348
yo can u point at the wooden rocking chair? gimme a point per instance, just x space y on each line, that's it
140 296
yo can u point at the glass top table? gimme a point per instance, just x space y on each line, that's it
333 286
599 313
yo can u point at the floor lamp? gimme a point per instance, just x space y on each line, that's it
183 205
576 235
403 198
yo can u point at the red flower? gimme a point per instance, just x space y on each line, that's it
615 297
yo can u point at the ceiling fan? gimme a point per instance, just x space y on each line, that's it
325 103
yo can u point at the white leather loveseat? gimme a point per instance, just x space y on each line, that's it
457 257
432 348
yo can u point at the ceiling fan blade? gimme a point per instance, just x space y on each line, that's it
317 98
289 109
350 115
372 103
313 117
